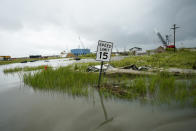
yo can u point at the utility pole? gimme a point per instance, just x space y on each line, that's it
174 28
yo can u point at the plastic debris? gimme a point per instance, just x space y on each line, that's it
98 67
134 67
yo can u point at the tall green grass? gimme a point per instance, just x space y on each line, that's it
91 55
63 78
26 68
158 89
180 59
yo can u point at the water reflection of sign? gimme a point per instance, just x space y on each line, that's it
107 120
104 50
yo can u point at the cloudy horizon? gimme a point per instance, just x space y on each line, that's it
46 27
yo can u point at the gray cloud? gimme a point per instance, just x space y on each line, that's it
36 26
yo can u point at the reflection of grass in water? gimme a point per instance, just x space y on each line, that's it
62 78
168 89
26 68
161 88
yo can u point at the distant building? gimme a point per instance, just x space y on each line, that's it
70 55
35 56
135 50
1 58
63 54
160 49
5 58
77 52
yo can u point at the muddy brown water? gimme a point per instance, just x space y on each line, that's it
24 109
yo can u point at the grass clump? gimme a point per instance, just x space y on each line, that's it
162 88
63 78
91 55
26 68
179 59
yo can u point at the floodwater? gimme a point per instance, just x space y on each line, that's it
24 109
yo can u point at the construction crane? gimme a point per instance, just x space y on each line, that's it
162 39
116 50
81 43
81 52
164 42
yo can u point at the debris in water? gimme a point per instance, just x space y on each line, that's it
23 62
134 67
98 67
143 68
77 58
33 60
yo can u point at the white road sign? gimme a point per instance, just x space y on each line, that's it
104 50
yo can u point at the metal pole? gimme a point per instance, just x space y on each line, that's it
174 37
174 28
100 74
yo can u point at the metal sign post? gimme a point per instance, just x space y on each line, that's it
104 50
100 74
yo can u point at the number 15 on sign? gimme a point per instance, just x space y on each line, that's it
104 50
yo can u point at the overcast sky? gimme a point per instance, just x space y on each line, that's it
48 27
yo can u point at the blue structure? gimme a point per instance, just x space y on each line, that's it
80 51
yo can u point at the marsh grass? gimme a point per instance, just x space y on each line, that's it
63 78
26 68
180 59
91 55
157 89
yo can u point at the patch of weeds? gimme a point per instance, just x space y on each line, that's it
26 68
61 78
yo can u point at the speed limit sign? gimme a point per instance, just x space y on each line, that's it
104 50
